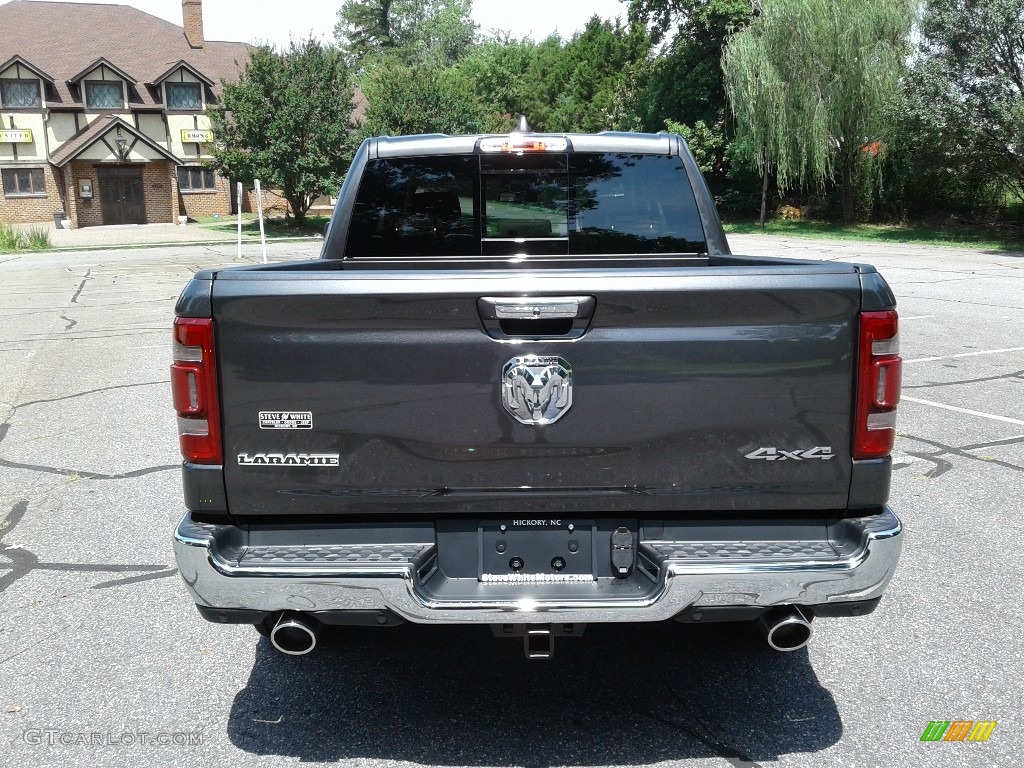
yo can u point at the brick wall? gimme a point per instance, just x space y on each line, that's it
164 201
160 187
83 212
274 204
28 210
207 203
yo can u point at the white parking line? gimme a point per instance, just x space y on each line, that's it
964 354
917 317
969 412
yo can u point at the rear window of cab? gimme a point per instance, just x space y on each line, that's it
525 204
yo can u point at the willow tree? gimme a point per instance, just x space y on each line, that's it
808 81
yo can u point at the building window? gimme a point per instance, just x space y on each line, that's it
100 94
194 178
184 96
19 182
19 94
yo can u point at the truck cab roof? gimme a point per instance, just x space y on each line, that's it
606 141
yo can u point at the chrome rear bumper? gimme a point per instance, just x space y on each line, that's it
678 575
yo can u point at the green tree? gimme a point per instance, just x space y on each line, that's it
707 143
404 98
966 92
686 82
287 122
808 82
936 168
431 32
499 70
588 83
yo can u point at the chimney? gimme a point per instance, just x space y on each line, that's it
192 20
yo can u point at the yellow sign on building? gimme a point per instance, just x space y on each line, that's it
196 136
15 136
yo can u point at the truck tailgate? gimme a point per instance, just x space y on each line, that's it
692 389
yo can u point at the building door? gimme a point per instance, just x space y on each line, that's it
121 195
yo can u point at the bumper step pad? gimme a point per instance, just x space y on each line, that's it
752 551
333 554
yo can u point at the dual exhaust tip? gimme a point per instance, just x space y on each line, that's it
295 634
786 628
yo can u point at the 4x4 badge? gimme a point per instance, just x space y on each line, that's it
536 390
823 452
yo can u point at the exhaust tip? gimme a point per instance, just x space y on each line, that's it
786 630
294 634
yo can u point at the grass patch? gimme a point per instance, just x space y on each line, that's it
275 228
15 239
38 240
885 233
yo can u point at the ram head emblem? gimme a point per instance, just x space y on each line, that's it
536 390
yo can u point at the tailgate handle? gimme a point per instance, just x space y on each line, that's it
537 310
536 317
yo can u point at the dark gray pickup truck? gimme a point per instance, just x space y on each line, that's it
527 385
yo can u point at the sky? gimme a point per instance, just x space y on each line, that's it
266 20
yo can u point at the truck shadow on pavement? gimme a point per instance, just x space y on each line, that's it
620 695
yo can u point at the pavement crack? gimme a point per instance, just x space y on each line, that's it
36 644
964 301
92 392
709 739
39 339
24 562
81 475
70 323
1015 375
135 579
13 518
972 447
961 277
952 451
81 287
942 466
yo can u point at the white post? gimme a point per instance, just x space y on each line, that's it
239 219
259 204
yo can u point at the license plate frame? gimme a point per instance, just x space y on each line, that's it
537 543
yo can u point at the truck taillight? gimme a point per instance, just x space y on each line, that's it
194 389
879 373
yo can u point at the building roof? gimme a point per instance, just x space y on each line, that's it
183 65
95 132
102 62
62 38
27 65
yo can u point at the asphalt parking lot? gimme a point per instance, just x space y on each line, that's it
105 662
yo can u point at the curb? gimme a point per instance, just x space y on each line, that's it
167 244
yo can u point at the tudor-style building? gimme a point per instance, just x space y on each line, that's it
102 114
